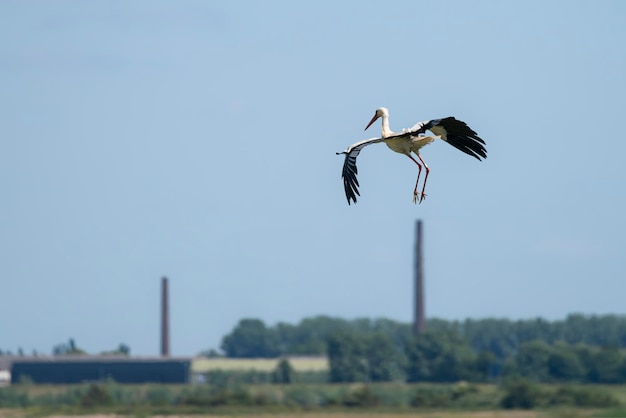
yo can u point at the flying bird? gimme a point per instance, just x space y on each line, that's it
451 130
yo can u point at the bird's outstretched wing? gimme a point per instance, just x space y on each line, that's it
455 133
349 172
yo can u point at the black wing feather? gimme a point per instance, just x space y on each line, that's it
350 182
349 171
460 136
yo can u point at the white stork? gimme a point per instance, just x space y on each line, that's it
451 130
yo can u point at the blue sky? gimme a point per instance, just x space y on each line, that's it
197 140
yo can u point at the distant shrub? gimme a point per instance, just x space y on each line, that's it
392 395
462 389
361 396
267 395
219 396
12 398
521 394
159 396
432 396
590 397
122 394
304 397
96 395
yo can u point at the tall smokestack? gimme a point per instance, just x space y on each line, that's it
419 320
165 323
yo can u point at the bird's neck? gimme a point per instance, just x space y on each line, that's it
385 124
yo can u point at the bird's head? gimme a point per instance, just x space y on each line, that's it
380 112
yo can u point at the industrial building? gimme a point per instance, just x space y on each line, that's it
80 369
121 369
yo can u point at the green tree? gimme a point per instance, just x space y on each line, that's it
564 364
346 358
121 350
355 357
310 335
67 349
210 353
481 368
382 362
491 335
421 353
283 373
251 338
525 347
124 349
531 360
607 366
439 357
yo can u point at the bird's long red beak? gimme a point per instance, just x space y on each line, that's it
372 121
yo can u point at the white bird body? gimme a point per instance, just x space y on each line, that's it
449 129
402 146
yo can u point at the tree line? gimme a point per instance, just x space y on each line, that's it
70 349
577 349
440 356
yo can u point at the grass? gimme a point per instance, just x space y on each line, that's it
355 414
619 391
384 400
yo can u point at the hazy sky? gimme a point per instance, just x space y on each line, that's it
197 140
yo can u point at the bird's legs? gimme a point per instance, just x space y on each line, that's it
415 193
425 177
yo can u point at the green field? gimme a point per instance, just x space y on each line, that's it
300 364
385 400
431 414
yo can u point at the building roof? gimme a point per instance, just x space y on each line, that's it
7 361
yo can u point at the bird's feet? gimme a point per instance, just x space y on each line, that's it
417 198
